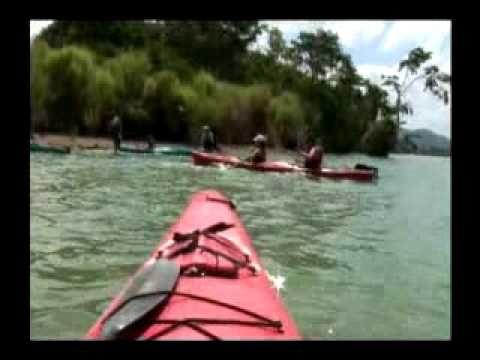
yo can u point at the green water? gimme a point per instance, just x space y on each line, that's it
361 261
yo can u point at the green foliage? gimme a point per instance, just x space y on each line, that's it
102 98
318 51
381 138
171 77
107 38
435 81
244 110
164 58
214 46
130 70
162 100
204 84
207 111
38 83
70 71
160 89
416 58
286 118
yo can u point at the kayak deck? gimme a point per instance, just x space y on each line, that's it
206 159
222 292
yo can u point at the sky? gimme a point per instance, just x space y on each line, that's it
376 48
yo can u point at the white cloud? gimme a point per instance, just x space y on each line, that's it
293 26
428 34
350 33
374 72
443 57
355 33
38 25
391 36
428 111
291 29
261 44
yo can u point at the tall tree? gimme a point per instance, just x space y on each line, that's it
319 52
413 70
106 37
70 72
277 45
38 82
215 46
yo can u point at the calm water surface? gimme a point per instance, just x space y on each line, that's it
361 261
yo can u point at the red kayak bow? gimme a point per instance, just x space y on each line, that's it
204 281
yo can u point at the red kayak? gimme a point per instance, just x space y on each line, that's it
205 159
204 281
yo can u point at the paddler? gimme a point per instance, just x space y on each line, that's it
116 132
208 140
314 156
150 143
259 152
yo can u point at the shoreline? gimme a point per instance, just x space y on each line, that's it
88 142
105 143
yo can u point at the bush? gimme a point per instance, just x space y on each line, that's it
204 84
380 139
102 96
286 119
155 89
160 90
130 71
163 58
167 102
38 83
243 111
69 72
259 98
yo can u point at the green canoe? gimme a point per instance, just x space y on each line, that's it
173 150
133 150
162 150
49 148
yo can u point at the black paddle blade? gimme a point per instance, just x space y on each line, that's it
149 288
217 227
366 167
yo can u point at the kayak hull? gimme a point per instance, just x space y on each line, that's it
208 159
49 149
242 292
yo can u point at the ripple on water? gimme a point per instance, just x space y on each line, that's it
344 249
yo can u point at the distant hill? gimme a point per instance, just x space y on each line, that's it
422 141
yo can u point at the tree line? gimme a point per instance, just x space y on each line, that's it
167 78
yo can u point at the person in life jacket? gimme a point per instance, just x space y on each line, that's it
208 140
314 156
116 132
259 152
